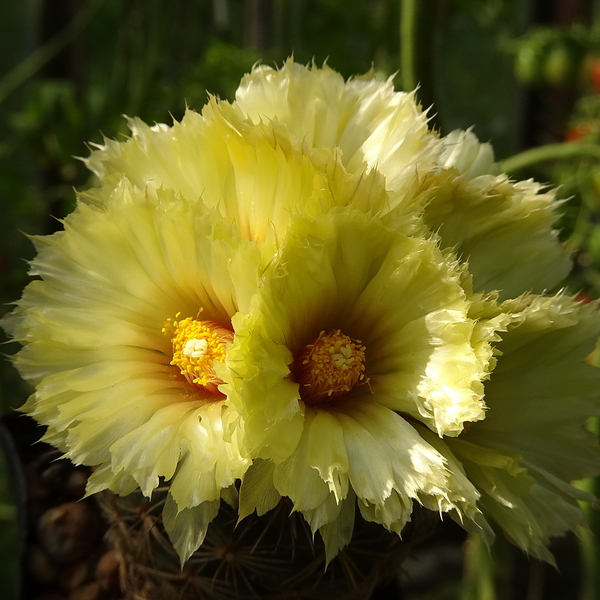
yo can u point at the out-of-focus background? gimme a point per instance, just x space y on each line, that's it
525 74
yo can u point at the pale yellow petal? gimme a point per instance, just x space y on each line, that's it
502 228
463 151
370 122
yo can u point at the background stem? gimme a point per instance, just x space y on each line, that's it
419 23
549 152
36 60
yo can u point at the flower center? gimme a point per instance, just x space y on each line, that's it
196 346
329 367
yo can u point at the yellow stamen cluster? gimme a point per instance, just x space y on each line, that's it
329 367
196 346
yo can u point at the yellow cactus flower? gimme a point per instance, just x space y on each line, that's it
364 117
300 291
122 335
477 212
359 339
253 175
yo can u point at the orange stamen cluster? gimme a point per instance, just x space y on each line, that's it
329 367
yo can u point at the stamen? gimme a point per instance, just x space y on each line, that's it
196 346
329 367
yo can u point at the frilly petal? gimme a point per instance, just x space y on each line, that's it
488 217
464 152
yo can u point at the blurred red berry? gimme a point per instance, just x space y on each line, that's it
579 131
583 298
595 74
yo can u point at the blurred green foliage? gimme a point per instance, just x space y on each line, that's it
9 531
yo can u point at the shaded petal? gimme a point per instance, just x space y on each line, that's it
393 513
296 478
187 528
543 377
488 217
337 532
104 478
528 513
257 491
